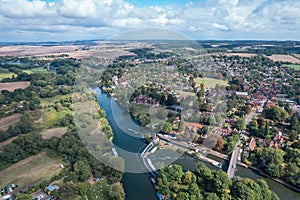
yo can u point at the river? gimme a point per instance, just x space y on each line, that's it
136 182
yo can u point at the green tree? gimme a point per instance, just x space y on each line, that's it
240 124
166 128
116 192
82 170
275 113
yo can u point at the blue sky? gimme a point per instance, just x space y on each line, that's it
57 20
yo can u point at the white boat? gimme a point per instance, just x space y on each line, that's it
217 164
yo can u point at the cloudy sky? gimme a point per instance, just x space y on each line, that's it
65 20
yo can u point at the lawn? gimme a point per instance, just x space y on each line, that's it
31 170
35 70
210 82
296 67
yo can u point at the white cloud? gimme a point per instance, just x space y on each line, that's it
220 26
217 19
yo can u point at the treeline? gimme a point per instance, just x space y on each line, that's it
208 184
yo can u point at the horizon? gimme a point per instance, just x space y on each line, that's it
72 20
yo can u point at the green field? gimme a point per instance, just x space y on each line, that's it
5 73
51 116
31 170
35 70
296 67
210 82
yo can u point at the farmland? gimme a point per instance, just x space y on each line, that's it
11 86
30 170
210 82
284 58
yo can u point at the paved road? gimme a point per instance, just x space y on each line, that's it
233 160
249 117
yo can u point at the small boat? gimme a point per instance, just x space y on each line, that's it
153 180
217 164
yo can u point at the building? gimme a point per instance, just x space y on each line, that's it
242 94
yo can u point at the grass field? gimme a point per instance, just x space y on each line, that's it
296 67
52 100
11 86
30 171
54 132
35 70
50 116
210 82
5 122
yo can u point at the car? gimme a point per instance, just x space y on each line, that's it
233 166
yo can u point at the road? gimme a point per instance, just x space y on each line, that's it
233 160
249 117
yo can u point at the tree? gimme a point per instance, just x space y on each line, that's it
82 170
221 181
246 189
183 196
166 128
265 190
240 124
220 143
171 100
275 113
116 192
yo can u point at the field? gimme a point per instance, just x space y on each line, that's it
8 121
35 70
30 171
284 58
246 55
11 86
296 67
54 132
51 116
4 73
210 82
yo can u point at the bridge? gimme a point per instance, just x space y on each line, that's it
233 160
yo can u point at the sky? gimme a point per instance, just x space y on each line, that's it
68 20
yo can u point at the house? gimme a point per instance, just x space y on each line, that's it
52 188
193 127
252 144
242 94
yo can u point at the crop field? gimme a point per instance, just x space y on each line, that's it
11 86
284 58
30 171
210 82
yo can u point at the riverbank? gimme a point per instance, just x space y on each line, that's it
225 157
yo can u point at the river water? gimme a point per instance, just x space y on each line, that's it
136 181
